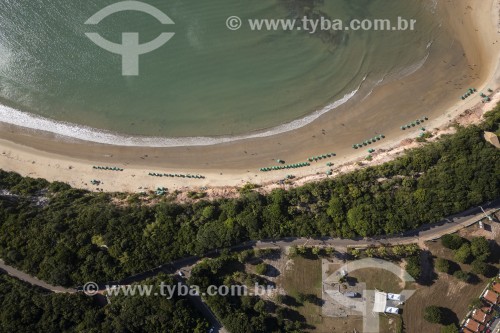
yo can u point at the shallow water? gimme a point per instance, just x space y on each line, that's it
207 80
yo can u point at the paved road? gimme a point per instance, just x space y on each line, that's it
425 233
33 280
198 302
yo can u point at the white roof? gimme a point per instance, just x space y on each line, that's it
380 302
391 309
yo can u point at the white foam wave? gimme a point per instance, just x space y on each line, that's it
64 129
415 67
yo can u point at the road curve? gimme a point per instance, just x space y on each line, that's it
429 232
424 233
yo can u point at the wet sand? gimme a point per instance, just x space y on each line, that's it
454 64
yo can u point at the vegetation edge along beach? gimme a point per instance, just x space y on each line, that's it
67 236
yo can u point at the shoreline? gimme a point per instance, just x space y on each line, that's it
233 164
32 122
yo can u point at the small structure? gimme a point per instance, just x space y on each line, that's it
392 310
480 316
491 297
473 326
395 297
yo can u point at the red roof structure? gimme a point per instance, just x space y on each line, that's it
466 330
474 326
491 297
480 316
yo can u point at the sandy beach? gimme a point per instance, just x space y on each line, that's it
469 60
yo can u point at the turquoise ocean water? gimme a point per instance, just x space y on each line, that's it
207 80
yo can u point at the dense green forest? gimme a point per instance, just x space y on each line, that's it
24 308
68 236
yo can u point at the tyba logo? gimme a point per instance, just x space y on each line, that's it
130 49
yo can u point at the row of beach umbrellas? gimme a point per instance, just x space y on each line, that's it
320 157
468 93
368 142
288 166
485 97
154 174
415 123
107 168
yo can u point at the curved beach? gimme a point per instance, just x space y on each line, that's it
433 91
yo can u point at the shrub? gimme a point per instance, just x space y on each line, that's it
453 242
442 265
480 247
463 254
433 314
479 267
461 275
452 328
413 267
261 268
329 251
